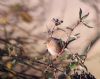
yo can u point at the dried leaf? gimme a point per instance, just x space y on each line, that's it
3 21
26 17
15 7
77 34
85 16
69 56
87 25
9 65
72 39
80 14
61 42
69 28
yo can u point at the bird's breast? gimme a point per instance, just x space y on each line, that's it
52 50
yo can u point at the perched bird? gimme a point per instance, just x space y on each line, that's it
55 46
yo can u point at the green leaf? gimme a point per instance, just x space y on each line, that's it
72 66
63 57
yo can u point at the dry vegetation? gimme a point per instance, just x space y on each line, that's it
15 63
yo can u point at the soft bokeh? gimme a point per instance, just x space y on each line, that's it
35 33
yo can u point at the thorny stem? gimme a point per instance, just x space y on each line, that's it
12 72
15 73
67 42
19 59
71 29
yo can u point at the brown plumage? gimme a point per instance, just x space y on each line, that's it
54 46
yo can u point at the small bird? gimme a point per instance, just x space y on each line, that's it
54 46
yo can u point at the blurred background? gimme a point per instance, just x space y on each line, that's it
25 23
